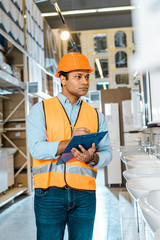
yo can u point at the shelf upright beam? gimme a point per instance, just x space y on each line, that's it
26 97
26 78
14 145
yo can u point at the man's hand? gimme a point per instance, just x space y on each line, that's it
63 144
84 155
81 131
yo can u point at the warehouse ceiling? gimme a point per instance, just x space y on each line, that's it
90 21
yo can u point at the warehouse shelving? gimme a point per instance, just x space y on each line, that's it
11 87
8 81
10 195
20 87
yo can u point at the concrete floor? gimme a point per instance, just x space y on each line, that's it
17 220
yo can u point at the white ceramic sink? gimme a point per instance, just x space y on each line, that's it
136 152
138 157
141 172
145 163
9 150
140 185
130 149
149 204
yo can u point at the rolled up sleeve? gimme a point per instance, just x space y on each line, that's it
104 149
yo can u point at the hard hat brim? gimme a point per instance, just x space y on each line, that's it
89 71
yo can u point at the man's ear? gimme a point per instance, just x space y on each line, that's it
63 80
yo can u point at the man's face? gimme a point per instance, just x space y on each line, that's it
77 84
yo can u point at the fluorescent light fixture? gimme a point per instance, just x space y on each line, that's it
104 86
87 11
52 14
99 67
102 83
116 9
135 74
74 12
38 1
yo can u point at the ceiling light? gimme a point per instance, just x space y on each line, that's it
39 1
87 11
99 67
116 9
74 12
102 83
64 35
104 87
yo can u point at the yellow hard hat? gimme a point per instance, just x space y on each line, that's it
73 61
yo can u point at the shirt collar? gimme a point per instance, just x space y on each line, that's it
65 100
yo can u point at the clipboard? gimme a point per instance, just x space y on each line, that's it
84 140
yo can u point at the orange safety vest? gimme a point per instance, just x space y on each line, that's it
75 174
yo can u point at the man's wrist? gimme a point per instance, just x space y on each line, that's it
94 161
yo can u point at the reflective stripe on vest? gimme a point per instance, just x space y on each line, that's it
60 168
75 174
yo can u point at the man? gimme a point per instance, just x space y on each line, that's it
65 194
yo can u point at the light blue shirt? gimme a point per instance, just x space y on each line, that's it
38 143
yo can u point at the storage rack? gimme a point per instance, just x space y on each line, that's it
19 88
14 85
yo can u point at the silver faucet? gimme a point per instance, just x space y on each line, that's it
139 140
151 150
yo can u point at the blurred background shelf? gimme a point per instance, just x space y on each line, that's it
8 81
11 194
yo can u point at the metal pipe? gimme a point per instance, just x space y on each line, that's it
58 11
54 2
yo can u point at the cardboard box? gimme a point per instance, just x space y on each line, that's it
15 125
16 134
16 115
10 105
21 180
17 142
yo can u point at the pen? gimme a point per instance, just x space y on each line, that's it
75 127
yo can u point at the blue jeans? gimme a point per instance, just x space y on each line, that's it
55 207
